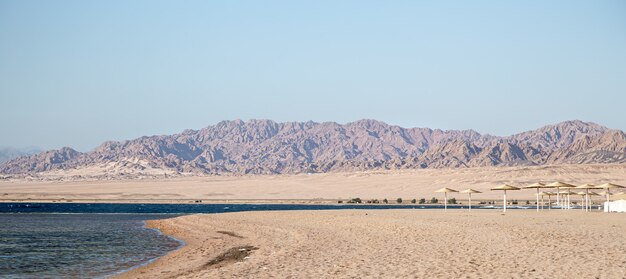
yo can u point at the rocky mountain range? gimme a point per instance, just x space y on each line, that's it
268 147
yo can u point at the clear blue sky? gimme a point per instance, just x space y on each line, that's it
77 73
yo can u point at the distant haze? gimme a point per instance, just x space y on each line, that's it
7 153
78 73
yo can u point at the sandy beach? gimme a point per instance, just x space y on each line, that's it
393 243
303 188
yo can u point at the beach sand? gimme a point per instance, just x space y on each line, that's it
394 244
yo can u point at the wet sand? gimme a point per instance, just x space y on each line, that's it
394 244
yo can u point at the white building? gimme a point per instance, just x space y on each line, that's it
615 206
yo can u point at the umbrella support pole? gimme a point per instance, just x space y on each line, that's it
582 202
558 197
504 206
608 200
586 200
470 201
537 199
549 202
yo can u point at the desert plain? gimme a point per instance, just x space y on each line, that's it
305 188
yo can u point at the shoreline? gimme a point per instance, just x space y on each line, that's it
460 202
348 243
145 226
185 209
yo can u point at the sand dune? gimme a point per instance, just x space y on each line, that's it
407 184
394 244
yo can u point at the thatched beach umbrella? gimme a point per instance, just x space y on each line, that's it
537 186
608 187
586 187
549 194
505 188
446 191
558 185
589 195
619 196
470 192
566 194
583 199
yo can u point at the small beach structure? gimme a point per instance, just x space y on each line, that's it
616 206
587 187
470 192
445 191
537 186
607 187
505 188
559 185
619 203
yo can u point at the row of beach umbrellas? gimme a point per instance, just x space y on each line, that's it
560 195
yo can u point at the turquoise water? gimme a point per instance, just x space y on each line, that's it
77 245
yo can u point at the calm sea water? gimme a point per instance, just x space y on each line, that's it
77 245
186 208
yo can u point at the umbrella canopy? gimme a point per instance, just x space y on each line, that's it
504 188
537 186
446 191
620 196
470 191
587 186
566 192
559 184
609 186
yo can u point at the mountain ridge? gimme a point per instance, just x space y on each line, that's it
268 147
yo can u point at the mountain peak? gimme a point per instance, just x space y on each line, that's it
576 125
368 123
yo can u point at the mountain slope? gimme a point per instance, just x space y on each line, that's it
267 147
